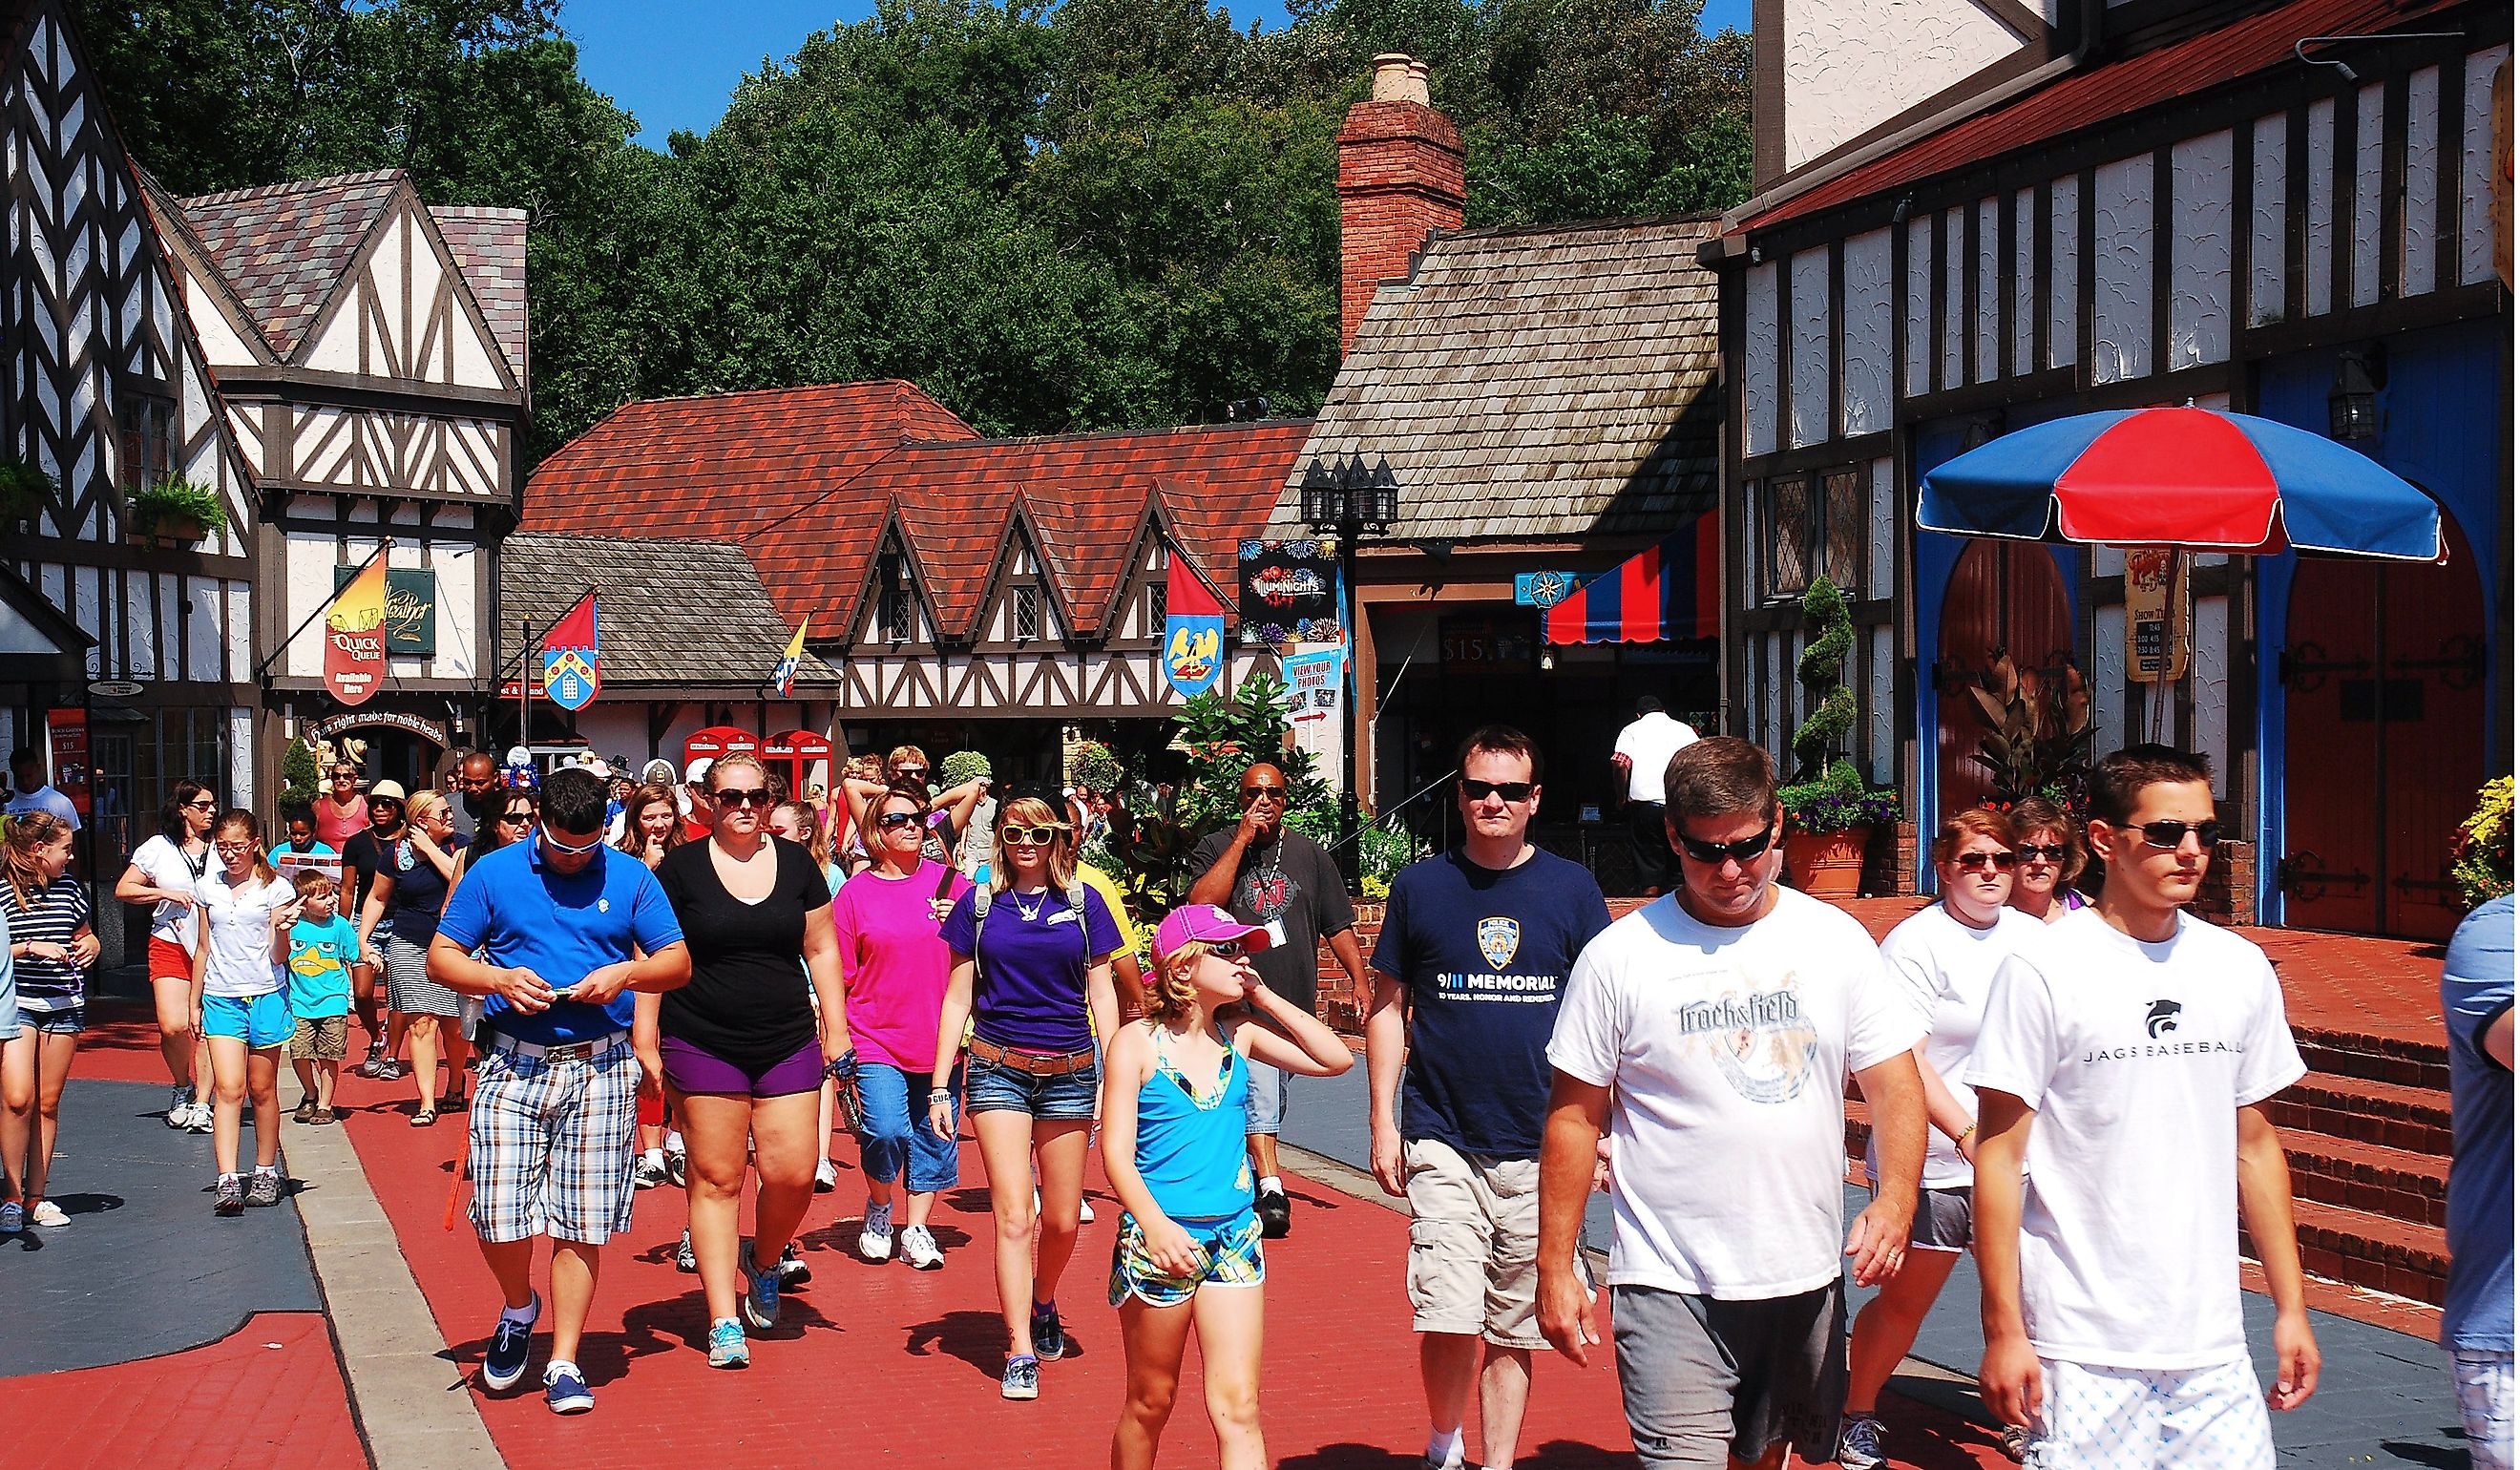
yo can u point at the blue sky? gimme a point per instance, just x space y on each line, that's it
673 65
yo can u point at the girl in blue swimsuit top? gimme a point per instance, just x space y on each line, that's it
1173 1091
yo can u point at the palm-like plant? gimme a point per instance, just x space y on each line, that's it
2038 737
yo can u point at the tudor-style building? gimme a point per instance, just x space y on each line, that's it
973 592
371 350
2110 205
108 391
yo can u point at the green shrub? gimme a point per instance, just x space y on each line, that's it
962 766
175 499
2481 861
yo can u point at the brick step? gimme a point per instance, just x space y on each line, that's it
2390 1114
2339 1053
2369 1251
2370 1177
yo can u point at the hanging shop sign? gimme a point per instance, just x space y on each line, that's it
411 609
1312 683
66 732
1543 590
1289 593
2157 615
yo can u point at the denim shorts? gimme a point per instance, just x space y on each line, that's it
68 1022
896 1135
989 1088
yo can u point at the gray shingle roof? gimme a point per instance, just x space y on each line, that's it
667 612
1537 383
285 248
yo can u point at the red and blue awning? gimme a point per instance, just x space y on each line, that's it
2190 477
1668 592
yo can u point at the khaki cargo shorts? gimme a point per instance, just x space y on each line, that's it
1474 1244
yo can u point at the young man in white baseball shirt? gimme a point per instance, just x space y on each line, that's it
2126 1058
1712 1031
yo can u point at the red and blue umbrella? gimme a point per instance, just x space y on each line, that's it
2188 477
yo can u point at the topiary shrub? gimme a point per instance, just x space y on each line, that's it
962 766
1821 672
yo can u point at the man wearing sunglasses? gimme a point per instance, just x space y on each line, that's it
1281 880
567 929
1475 948
1713 1031
2125 1059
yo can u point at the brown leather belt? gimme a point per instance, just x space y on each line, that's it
1032 1063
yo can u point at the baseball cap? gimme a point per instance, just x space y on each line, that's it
387 790
697 771
1207 924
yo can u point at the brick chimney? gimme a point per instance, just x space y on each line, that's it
1400 166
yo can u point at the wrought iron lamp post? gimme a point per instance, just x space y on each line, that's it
1345 502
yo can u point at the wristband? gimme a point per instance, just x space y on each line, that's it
1963 1135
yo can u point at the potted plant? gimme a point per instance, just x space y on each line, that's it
176 512
24 491
2481 854
2038 739
1830 814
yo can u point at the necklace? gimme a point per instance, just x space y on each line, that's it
1031 912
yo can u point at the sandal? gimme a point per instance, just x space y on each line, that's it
324 1115
305 1111
424 1118
452 1102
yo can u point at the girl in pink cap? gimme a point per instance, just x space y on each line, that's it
1173 1091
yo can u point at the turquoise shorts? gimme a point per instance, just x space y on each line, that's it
258 1021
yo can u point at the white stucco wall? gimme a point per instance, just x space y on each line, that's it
1850 65
2366 195
1917 369
2422 215
1863 371
2200 252
2064 271
2476 168
2318 225
2268 215
2121 269
1809 344
1759 359
1990 285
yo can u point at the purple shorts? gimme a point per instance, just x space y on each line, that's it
690 1069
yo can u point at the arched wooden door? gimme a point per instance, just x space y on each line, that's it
2384 673
2004 596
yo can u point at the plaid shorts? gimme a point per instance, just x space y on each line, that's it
2484 1383
1228 1252
551 1145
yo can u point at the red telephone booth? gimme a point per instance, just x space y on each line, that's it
801 756
719 741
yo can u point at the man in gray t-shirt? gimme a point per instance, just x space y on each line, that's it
1264 874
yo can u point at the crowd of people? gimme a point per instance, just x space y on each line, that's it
652 982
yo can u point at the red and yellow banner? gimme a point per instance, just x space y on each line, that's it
355 637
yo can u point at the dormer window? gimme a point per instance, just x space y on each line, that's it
892 602
1027 613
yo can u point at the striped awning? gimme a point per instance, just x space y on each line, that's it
1669 592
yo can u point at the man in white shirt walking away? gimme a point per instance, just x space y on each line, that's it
1713 1031
1641 756
2125 1057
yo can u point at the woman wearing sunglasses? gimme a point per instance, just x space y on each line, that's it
906 766
404 899
163 870
801 823
1027 950
1944 958
896 966
740 1048
2051 859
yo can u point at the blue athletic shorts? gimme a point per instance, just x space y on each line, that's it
261 1021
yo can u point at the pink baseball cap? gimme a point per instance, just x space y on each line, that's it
1208 923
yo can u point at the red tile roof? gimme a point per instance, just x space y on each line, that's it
820 472
2105 92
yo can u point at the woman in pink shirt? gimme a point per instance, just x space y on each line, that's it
896 965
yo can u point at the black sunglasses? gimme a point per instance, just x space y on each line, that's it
520 819
1227 949
2034 852
891 819
741 796
910 773
2167 835
1739 852
2001 862
1251 794
1482 790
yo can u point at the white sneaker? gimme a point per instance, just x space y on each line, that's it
827 1177
179 1106
1084 1210
920 1249
48 1215
874 1238
202 1119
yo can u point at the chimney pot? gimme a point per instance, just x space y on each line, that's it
1398 79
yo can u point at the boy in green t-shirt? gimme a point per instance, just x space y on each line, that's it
323 944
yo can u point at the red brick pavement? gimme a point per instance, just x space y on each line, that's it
270 1395
883 1364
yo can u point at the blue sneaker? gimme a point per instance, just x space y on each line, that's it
1049 1338
564 1388
1021 1380
725 1348
510 1343
760 1293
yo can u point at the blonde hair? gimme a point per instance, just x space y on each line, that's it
28 833
910 754
1032 811
1171 993
740 760
817 842
422 803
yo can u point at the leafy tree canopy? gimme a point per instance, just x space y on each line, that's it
1108 213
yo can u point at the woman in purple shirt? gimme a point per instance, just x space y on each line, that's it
1032 974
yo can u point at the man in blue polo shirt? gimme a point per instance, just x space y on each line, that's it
567 929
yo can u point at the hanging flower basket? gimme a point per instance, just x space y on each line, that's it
24 490
174 514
